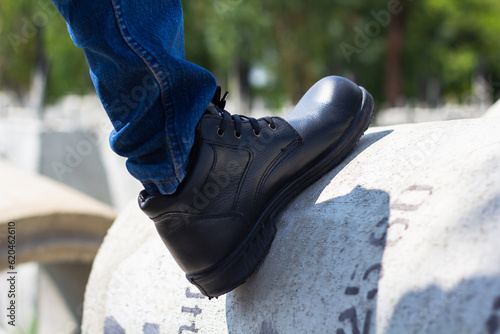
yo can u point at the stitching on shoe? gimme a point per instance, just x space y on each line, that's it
277 161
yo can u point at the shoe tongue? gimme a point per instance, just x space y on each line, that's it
217 95
212 109
217 105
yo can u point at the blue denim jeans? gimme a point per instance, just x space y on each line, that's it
152 95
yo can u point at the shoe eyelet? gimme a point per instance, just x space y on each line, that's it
255 133
220 133
272 126
237 135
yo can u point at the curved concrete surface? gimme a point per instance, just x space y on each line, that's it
402 237
53 223
493 111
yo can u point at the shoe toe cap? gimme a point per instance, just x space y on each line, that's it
327 110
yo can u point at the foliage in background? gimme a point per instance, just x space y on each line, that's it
33 36
294 43
452 41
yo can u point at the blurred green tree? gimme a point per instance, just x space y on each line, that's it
392 47
452 41
297 42
34 40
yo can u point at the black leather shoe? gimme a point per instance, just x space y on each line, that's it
220 223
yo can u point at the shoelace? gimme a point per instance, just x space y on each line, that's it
227 118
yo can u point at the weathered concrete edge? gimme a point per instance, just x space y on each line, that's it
53 222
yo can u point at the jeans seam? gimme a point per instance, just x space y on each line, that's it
148 58
160 182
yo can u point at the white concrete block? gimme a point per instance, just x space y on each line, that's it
493 111
44 221
402 237
53 223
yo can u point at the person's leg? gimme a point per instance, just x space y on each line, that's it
152 95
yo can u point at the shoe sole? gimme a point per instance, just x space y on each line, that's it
237 268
